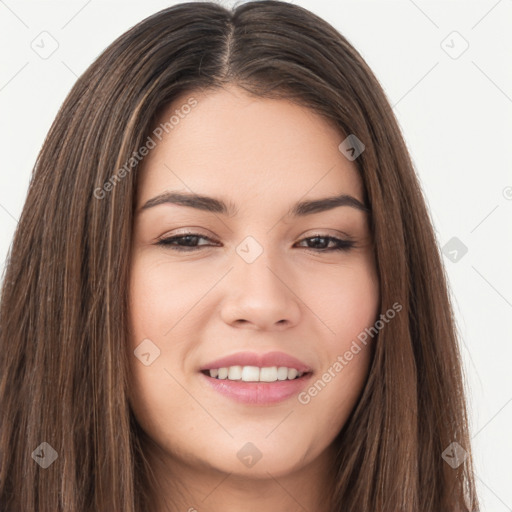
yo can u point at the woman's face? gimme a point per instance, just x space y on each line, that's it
259 284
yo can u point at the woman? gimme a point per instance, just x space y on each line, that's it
224 292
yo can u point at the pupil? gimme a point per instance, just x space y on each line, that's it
189 239
316 239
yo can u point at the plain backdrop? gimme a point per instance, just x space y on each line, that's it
446 69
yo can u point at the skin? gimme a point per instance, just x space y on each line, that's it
262 155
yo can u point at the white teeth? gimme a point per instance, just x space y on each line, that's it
255 374
251 374
282 373
268 374
292 373
234 372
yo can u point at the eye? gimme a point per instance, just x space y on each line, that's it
321 243
184 242
189 242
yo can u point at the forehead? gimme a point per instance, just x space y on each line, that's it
230 143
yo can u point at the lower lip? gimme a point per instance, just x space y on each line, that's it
258 392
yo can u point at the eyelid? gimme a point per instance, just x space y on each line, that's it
192 231
327 232
341 244
320 232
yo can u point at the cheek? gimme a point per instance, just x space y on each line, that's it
151 322
349 307
347 300
160 297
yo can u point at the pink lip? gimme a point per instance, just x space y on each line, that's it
258 393
266 360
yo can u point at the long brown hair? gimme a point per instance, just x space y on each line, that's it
64 305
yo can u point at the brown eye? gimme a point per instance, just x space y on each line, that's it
320 243
184 242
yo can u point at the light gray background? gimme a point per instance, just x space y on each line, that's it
455 111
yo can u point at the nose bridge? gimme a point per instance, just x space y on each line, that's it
255 266
257 292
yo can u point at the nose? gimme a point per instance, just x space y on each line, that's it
260 295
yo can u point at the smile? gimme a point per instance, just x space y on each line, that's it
256 392
255 374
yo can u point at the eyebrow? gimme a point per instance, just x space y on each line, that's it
214 205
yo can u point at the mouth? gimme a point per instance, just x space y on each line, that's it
254 373
253 385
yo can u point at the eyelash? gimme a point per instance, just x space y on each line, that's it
342 245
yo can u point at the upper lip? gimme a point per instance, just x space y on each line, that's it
265 360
